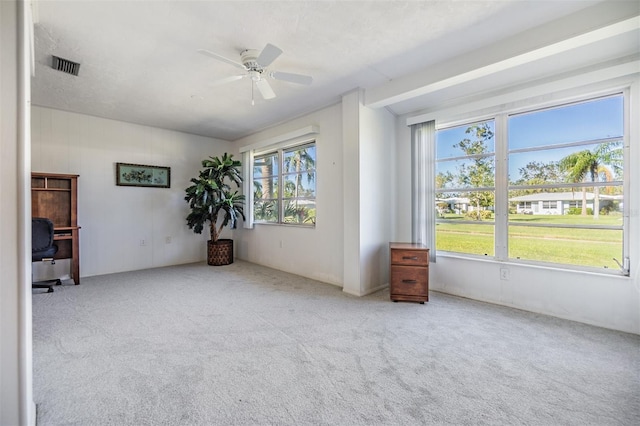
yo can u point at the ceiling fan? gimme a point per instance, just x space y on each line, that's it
255 65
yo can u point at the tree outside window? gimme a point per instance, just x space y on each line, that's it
294 170
563 185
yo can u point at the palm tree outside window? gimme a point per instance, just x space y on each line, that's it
544 185
284 184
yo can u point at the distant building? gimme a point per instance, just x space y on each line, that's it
456 205
558 202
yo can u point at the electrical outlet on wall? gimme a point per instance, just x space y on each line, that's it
504 273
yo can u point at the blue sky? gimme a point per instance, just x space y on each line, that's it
597 119
585 121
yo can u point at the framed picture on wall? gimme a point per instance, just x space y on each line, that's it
141 175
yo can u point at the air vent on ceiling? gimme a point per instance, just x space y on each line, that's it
65 65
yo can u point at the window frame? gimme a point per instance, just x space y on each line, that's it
276 200
279 153
502 186
462 189
525 205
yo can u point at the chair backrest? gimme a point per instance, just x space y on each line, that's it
41 234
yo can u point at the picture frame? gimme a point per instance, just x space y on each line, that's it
128 174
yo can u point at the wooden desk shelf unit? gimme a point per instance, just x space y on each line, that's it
55 196
409 272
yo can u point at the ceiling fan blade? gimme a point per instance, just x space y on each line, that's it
226 80
265 89
292 78
268 55
221 58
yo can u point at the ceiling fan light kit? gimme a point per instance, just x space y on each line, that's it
255 65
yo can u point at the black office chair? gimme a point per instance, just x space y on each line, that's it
43 249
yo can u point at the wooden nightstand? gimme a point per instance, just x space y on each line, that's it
409 272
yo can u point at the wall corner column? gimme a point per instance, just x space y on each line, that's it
351 104
16 375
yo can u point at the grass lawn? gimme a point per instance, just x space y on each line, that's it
587 247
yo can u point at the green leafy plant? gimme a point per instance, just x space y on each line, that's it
210 196
578 211
478 214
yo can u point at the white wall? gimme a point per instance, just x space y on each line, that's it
368 136
599 299
312 252
16 389
377 178
114 219
349 245
352 271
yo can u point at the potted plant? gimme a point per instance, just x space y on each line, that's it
211 200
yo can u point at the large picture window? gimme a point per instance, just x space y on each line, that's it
570 161
465 188
284 186
559 186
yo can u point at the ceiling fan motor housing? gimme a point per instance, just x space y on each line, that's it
249 59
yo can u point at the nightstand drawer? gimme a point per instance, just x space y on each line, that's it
409 280
410 257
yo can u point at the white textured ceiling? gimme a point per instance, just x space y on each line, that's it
139 60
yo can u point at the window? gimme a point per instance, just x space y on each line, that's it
294 170
465 188
525 207
265 188
570 157
575 204
561 185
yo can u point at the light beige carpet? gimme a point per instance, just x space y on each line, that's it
248 345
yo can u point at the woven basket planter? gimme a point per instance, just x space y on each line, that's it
220 252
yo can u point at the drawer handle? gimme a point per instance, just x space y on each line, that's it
410 281
409 257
